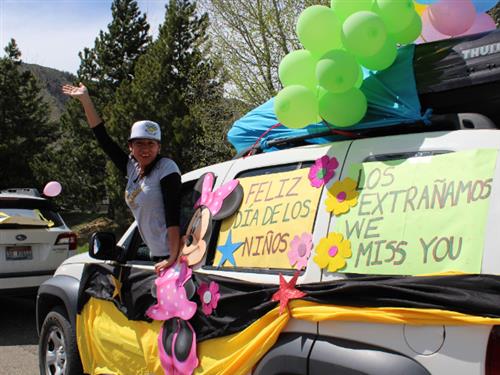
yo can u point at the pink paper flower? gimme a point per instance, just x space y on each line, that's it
209 296
322 171
300 250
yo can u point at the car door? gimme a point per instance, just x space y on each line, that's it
269 218
435 347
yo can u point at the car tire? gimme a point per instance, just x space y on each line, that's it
57 349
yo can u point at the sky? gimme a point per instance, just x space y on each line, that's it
52 32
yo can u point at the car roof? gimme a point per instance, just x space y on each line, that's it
441 122
21 192
22 200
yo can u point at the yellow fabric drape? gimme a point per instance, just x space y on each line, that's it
100 326
238 353
234 354
315 312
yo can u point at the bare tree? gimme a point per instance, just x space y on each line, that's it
251 38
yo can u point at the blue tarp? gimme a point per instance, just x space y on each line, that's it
392 99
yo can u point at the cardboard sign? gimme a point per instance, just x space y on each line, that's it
421 215
275 208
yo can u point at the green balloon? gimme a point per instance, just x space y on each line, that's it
298 68
320 92
296 106
383 59
344 109
360 79
397 14
337 71
364 34
411 33
344 8
318 29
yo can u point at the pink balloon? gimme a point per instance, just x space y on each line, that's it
452 17
483 23
429 33
52 189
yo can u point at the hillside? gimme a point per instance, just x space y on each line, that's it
50 81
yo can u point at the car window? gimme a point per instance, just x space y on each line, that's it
261 230
20 213
137 250
188 198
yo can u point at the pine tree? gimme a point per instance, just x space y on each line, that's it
180 87
175 76
24 127
76 159
112 60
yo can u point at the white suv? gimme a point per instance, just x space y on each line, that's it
247 253
34 240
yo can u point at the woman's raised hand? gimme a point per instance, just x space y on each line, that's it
77 92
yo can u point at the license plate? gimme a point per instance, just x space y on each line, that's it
18 253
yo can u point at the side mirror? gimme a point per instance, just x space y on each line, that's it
102 245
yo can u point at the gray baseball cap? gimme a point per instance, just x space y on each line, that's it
145 130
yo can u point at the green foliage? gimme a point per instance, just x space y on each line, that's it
75 159
112 59
495 13
252 37
50 81
24 127
172 80
180 88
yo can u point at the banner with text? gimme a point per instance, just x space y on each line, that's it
420 215
275 208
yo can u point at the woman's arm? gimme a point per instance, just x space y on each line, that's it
173 243
115 153
82 94
171 191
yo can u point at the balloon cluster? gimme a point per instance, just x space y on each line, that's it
323 80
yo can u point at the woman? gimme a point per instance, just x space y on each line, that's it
153 182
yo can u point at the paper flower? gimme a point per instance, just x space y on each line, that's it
342 195
332 252
300 250
209 296
322 171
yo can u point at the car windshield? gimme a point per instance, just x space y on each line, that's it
28 213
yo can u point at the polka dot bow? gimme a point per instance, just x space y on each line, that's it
213 199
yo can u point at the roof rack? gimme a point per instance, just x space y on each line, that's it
441 122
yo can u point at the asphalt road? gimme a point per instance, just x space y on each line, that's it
18 337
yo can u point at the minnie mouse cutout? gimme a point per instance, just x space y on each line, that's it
174 287
212 205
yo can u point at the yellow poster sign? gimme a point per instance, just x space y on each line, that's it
275 208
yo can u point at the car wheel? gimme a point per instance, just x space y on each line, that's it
58 352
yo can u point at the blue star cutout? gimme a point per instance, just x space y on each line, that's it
228 250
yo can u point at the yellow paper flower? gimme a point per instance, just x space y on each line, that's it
342 195
332 251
